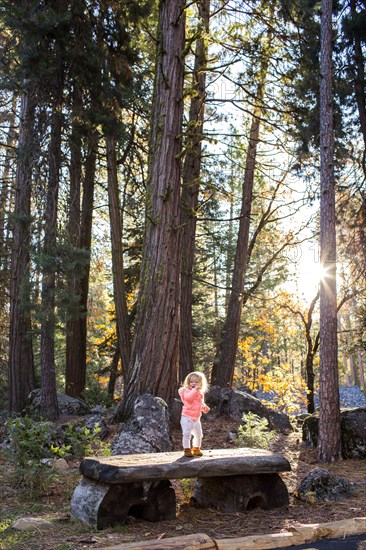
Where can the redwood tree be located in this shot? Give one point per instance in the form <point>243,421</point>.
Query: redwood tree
<point>155,353</point>
<point>21,367</point>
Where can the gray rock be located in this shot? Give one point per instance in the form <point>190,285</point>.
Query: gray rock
<point>147,431</point>
<point>353,432</point>
<point>353,428</point>
<point>68,406</point>
<point>320,484</point>
<point>94,421</point>
<point>235,403</point>
<point>175,412</point>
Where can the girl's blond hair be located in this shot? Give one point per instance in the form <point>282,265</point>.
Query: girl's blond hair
<point>201,376</point>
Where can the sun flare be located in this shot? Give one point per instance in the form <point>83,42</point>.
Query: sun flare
<point>310,275</point>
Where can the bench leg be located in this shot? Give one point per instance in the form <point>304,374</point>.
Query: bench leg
<point>102,505</point>
<point>241,493</point>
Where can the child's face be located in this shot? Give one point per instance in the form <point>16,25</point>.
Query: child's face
<point>195,382</point>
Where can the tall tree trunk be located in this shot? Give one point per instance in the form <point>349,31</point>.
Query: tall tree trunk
<point>312,348</point>
<point>49,402</point>
<point>73,326</point>
<point>224,364</point>
<point>120,300</point>
<point>353,373</point>
<point>6,198</point>
<point>113,374</point>
<point>6,186</point>
<point>361,369</point>
<point>190,189</point>
<point>76,372</point>
<point>359,64</point>
<point>329,441</point>
<point>155,354</point>
<point>229,255</point>
<point>21,368</point>
<point>85,244</point>
<point>361,220</point>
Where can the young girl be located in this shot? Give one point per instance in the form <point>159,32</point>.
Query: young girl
<point>192,394</point>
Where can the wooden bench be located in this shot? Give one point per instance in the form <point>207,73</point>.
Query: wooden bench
<point>231,480</point>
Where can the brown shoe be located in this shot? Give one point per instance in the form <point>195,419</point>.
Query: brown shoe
<point>188,452</point>
<point>197,451</point>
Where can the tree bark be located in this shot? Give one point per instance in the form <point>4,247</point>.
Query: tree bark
<point>73,326</point>
<point>74,354</point>
<point>359,64</point>
<point>155,354</point>
<point>21,368</point>
<point>113,374</point>
<point>329,441</point>
<point>6,199</point>
<point>361,369</point>
<point>6,186</point>
<point>312,348</point>
<point>119,290</point>
<point>49,403</point>
<point>76,371</point>
<point>190,189</point>
<point>85,244</point>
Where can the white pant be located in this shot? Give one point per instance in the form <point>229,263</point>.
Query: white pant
<point>191,427</point>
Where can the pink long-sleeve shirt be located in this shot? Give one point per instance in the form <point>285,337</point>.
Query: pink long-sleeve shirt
<point>193,402</point>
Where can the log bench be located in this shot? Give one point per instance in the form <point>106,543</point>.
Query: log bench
<point>231,480</point>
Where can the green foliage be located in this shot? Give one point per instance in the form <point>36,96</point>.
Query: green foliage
<point>187,486</point>
<point>83,441</point>
<point>254,432</point>
<point>34,444</point>
<point>28,453</point>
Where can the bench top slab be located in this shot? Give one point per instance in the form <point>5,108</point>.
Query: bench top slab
<point>159,466</point>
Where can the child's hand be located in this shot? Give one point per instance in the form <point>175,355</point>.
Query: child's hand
<point>205,408</point>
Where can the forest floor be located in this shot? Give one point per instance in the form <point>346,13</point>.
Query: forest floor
<point>66,533</point>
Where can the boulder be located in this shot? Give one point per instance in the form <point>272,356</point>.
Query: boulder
<point>68,406</point>
<point>175,411</point>
<point>320,484</point>
<point>235,403</point>
<point>147,431</point>
<point>353,433</point>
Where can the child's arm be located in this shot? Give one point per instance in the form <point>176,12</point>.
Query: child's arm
<point>187,395</point>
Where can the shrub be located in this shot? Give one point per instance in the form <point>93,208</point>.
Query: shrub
<point>33,445</point>
<point>254,432</point>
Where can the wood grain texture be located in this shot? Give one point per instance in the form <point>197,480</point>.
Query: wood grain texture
<point>214,463</point>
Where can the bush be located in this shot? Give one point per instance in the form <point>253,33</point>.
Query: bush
<point>34,444</point>
<point>254,432</point>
